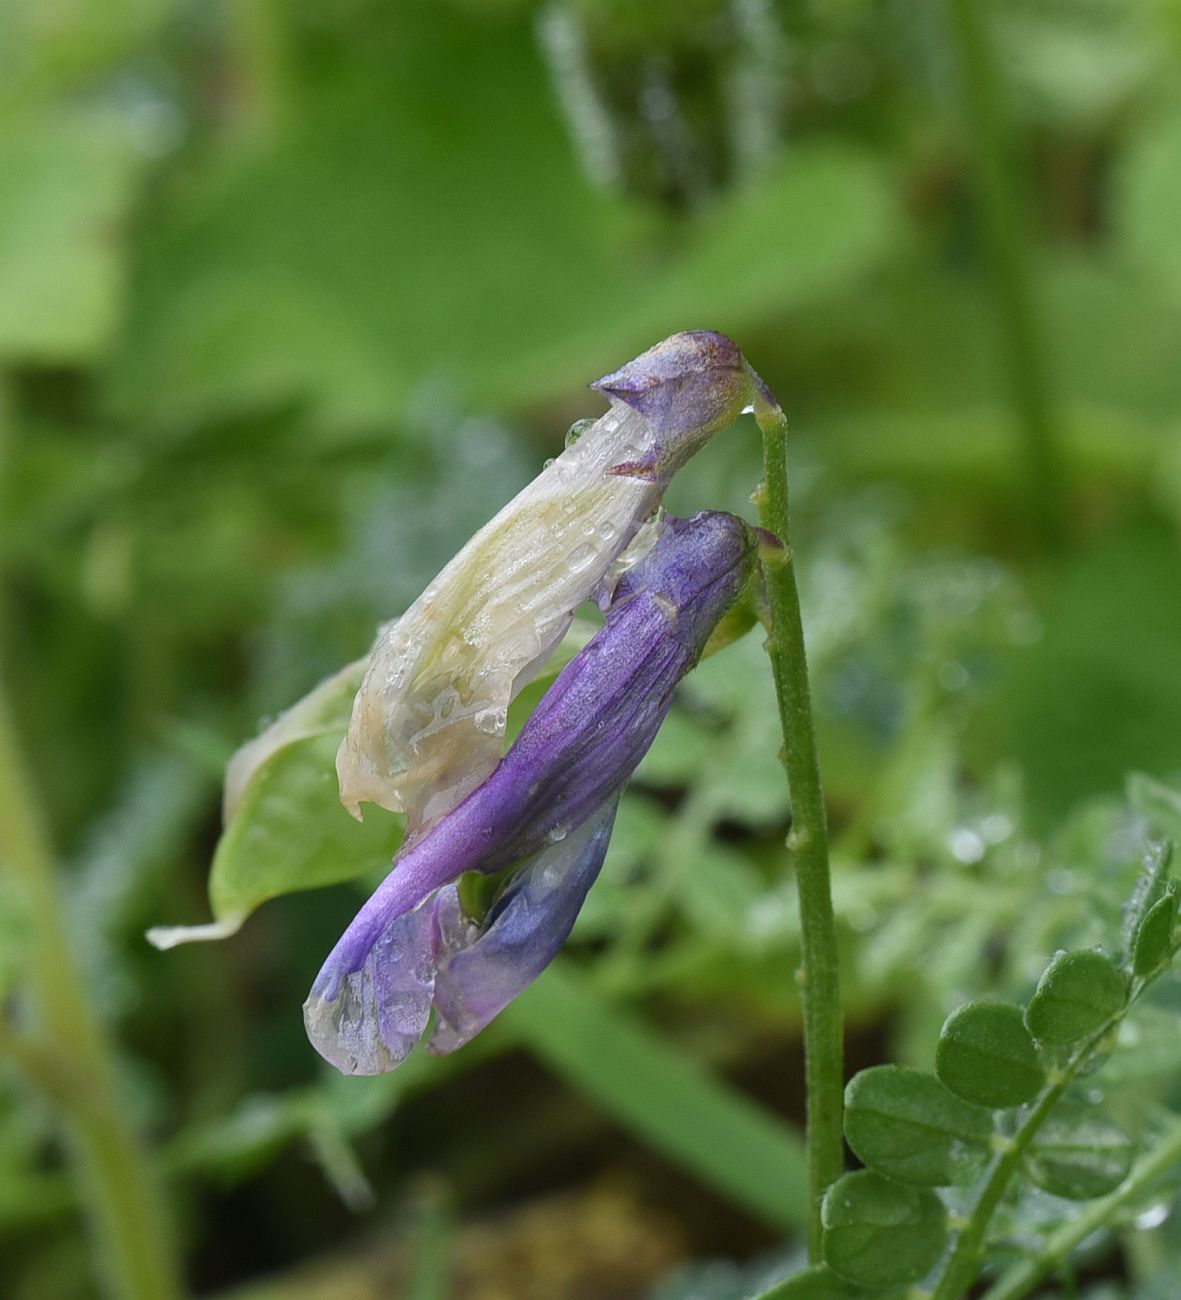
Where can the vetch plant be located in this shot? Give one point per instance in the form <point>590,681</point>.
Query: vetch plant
<point>1009,1113</point>
<point>543,818</point>
<point>489,739</point>
<point>498,851</point>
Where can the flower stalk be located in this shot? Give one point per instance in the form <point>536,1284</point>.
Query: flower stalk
<point>808,838</point>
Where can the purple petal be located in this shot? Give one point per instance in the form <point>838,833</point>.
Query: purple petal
<point>367,1019</point>
<point>371,999</point>
<point>486,968</point>
<point>689,386</point>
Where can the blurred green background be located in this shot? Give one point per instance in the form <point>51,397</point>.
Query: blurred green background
<point>294,296</point>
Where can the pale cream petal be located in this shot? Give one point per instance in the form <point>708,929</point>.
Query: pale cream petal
<point>428,722</point>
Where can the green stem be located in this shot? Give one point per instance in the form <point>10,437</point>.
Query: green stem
<point>1022,1278</point>
<point>1005,233</point>
<point>114,1179</point>
<point>808,840</point>
<point>964,1262</point>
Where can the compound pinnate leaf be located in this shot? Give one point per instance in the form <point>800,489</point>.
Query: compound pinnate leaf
<point>986,1056</point>
<point>907,1125</point>
<point>1079,1153</point>
<point>1153,945</point>
<point>881,1233</point>
<point>1076,995</point>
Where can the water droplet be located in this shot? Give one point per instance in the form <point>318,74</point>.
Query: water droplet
<point>558,834</point>
<point>576,430</point>
<point>581,557</point>
<point>966,846</point>
<point>491,721</point>
<point>1153,1217</point>
<point>607,530</point>
<point>996,827</point>
<point>546,464</point>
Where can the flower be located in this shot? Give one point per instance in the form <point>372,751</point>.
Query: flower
<point>428,721</point>
<point>544,814</point>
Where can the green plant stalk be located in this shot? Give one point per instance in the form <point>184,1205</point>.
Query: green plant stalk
<point>1023,1277</point>
<point>960,1271</point>
<point>114,1178</point>
<point>808,840</point>
<point>999,193</point>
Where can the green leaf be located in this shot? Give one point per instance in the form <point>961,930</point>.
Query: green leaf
<point>664,1096</point>
<point>907,1125</point>
<point>290,832</point>
<point>1158,804</point>
<point>881,1233</point>
<point>226,312</point>
<point>1153,946</point>
<point>1149,198</point>
<point>1111,616</point>
<point>719,890</point>
<point>986,1056</point>
<point>1150,887</point>
<point>66,182</point>
<point>1079,1152</point>
<point>17,930</point>
<point>1076,995</point>
<point>818,1283</point>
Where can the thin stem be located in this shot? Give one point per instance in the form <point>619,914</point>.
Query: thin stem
<point>114,1179</point>
<point>964,1262</point>
<point>808,840</point>
<point>1022,1278</point>
<point>1005,234</point>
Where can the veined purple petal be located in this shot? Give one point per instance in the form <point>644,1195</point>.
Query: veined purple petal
<point>571,759</point>
<point>482,969</point>
<point>689,387</point>
<point>366,1018</point>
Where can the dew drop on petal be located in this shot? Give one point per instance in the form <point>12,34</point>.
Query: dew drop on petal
<point>581,558</point>
<point>576,430</point>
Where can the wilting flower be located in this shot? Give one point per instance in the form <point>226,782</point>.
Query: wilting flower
<point>428,722</point>
<point>543,815</point>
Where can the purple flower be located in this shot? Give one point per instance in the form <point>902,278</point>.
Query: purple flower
<point>546,812</point>
<point>687,388</point>
<point>428,721</point>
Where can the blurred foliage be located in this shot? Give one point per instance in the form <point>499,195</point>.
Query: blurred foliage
<point>293,297</point>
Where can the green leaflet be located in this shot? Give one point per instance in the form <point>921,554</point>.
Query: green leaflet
<point>1079,1153</point>
<point>879,1233</point>
<point>1076,995</point>
<point>907,1125</point>
<point>986,1056</point>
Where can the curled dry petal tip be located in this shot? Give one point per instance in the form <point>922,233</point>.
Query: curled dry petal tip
<point>689,386</point>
